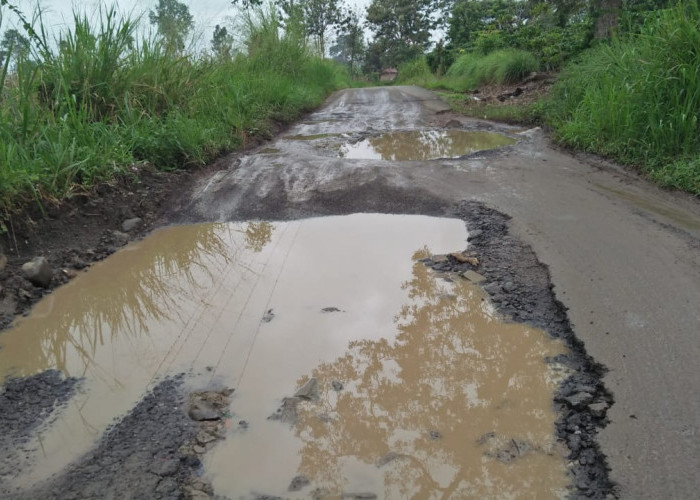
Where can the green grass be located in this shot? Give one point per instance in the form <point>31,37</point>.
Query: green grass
<point>637,99</point>
<point>104,101</point>
<point>514,114</point>
<point>472,70</point>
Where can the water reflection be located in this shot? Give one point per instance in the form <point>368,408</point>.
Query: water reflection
<point>428,412</point>
<point>150,283</point>
<point>423,145</point>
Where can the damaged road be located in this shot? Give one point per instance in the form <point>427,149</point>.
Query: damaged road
<point>577,248</point>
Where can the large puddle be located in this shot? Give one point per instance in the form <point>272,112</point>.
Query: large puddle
<point>422,391</point>
<point>423,145</point>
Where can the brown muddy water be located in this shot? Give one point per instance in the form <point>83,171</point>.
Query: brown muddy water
<point>422,390</point>
<point>423,145</point>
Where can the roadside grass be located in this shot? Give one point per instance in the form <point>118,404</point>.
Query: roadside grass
<point>637,100</point>
<point>472,70</point>
<point>531,113</point>
<point>103,101</point>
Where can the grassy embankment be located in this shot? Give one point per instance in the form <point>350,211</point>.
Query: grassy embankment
<point>102,102</point>
<point>635,99</point>
<point>471,71</point>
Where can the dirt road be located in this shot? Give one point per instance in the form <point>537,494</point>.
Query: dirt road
<point>624,256</point>
<point>250,305</point>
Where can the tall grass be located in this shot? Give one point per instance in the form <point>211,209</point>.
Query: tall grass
<point>103,100</point>
<point>638,99</point>
<point>503,67</point>
<point>472,70</point>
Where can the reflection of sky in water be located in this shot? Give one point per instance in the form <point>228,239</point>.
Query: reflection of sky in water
<point>423,145</point>
<point>454,370</point>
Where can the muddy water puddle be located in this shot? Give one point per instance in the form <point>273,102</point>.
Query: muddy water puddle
<point>423,145</point>
<point>417,388</point>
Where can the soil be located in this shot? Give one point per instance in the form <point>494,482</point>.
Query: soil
<point>25,405</point>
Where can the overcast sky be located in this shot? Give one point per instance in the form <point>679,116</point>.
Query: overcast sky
<point>206,13</point>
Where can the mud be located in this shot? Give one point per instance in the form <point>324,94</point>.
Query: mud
<point>27,405</point>
<point>138,458</point>
<point>420,145</point>
<point>518,284</point>
<point>520,287</point>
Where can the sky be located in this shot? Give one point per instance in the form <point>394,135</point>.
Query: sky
<point>206,13</point>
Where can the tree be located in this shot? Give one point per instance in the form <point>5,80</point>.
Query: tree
<point>401,28</point>
<point>14,45</point>
<point>221,42</point>
<point>350,42</point>
<point>319,17</point>
<point>174,22</point>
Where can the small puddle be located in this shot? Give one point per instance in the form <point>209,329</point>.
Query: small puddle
<point>422,389</point>
<point>269,151</point>
<point>312,137</point>
<point>423,145</point>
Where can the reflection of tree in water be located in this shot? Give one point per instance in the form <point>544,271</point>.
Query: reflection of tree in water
<point>257,235</point>
<point>129,292</point>
<point>454,370</point>
<point>427,144</point>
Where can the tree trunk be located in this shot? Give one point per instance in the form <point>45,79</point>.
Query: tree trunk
<point>606,22</point>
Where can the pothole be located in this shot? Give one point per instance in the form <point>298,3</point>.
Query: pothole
<point>393,381</point>
<point>423,145</point>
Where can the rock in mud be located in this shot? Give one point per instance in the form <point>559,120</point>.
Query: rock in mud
<point>268,316</point>
<point>337,386</point>
<point>474,277</point>
<point>120,238</point>
<point>389,457</point>
<point>298,483</point>
<point>287,412</point>
<point>330,310</point>
<point>38,271</point>
<point>204,437</point>
<point>202,410</point>
<point>474,234</point>
<point>308,391</point>
<point>453,124</point>
<point>131,224</point>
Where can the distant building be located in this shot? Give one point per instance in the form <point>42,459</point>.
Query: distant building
<point>389,75</point>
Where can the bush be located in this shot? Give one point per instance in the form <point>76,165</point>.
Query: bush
<point>638,98</point>
<point>499,67</point>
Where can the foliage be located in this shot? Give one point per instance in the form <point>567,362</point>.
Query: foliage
<point>553,32</point>
<point>14,45</point>
<point>101,101</point>
<point>349,46</point>
<point>401,31</point>
<point>174,22</point>
<point>638,98</point>
<point>499,67</point>
<point>319,17</point>
<point>221,42</point>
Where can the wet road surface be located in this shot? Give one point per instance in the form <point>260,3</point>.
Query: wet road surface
<point>624,256</point>
<point>218,301</point>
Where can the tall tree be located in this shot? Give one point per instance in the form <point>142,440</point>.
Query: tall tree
<point>350,41</point>
<point>174,22</point>
<point>401,28</point>
<point>319,17</point>
<point>221,42</point>
<point>13,45</point>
